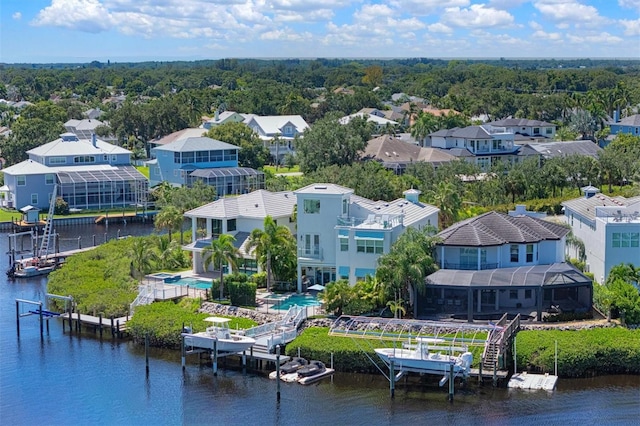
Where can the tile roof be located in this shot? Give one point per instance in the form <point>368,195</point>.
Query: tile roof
<point>521,122</point>
<point>257,205</point>
<point>493,228</point>
<point>564,148</point>
<point>389,149</point>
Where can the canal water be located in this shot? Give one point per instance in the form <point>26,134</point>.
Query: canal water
<point>66,379</point>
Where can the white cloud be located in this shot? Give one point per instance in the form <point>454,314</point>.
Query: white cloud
<point>541,35</point>
<point>570,11</point>
<point>601,38</point>
<point>630,4</point>
<point>439,28</point>
<point>17,16</point>
<point>476,16</point>
<point>84,15</point>
<point>631,28</point>
<point>284,35</point>
<point>535,25</point>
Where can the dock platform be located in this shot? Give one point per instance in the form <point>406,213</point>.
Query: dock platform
<point>533,381</point>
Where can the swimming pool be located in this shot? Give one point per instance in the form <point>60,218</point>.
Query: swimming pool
<point>193,283</point>
<point>296,299</point>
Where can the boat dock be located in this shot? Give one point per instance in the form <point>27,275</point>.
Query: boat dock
<point>533,381</point>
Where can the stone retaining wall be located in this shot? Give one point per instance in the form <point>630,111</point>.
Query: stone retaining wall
<point>234,311</point>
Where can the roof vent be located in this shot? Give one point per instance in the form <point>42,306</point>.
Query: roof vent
<point>320,187</point>
<point>256,204</point>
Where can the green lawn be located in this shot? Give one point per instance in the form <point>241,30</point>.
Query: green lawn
<point>282,169</point>
<point>144,170</point>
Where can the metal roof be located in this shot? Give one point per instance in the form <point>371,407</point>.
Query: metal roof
<point>257,204</point>
<point>114,174</point>
<point>60,147</point>
<point>555,274</point>
<point>225,171</point>
<point>192,143</point>
<point>586,207</point>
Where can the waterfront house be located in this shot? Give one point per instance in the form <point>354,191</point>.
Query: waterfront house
<point>496,263</point>
<point>90,173</point>
<point>238,216</point>
<point>341,235</point>
<point>380,123</point>
<point>223,117</point>
<point>188,158</point>
<point>84,128</point>
<point>609,227</point>
<point>481,145</point>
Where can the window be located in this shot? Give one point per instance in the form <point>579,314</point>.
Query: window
<point>114,158</point>
<point>49,179</point>
<point>527,294</point>
<point>230,154</point>
<point>176,157</point>
<point>312,244</point>
<point>83,159</point>
<point>344,243</point>
<point>625,239</point>
<point>188,157</point>
<point>513,294</point>
<point>58,160</point>
<point>231,225</point>
<point>21,180</point>
<point>312,206</point>
<point>549,130</point>
<point>536,130</point>
<point>370,246</point>
<point>529,253</point>
<point>468,258</point>
<point>202,156</point>
<point>345,207</point>
<point>105,158</point>
<point>34,199</point>
<point>514,253</point>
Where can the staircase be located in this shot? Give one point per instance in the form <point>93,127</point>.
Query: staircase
<point>146,296</point>
<point>490,356</point>
<point>46,237</point>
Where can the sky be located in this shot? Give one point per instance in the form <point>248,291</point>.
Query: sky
<point>44,31</point>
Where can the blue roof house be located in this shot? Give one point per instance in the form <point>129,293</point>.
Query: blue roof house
<point>188,159</point>
<point>89,173</point>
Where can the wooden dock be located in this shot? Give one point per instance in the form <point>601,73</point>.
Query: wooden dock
<point>116,326</point>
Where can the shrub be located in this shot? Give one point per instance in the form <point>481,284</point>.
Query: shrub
<point>242,293</point>
<point>61,207</point>
<point>568,316</point>
<point>260,279</point>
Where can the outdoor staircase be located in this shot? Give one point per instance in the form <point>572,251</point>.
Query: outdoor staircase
<point>146,296</point>
<point>490,356</point>
<point>48,227</point>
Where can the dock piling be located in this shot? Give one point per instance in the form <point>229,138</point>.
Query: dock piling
<point>215,357</point>
<point>100,324</point>
<point>18,317</point>
<point>146,352</point>
<point>392,378</point>
<point>278,373</point>
<point>451,382</point>
<point>183,354</point>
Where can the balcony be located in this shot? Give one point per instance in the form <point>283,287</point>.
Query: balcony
<point>470,266</point>
<point>314,252</point>
<point>373,221</point>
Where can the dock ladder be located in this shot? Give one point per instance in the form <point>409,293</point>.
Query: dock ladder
<point>46,236</point>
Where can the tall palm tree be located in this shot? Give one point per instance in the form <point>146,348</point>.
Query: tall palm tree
<point>221,251</point>
<point>424,125</point>
<point>268,242</point>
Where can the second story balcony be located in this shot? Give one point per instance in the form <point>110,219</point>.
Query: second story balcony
<point>372,221</point>
<point>311,252</point>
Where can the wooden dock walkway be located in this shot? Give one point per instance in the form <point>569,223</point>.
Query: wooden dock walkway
<point>117,326</point>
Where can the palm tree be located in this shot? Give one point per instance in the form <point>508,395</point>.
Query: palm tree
<point>221,251</point>
<point>166,253</point>
<point>424,125</point>
<point>268,242</point>
<point>170,219</point>
<point>396,306</point>
<point>446,197</point>
<point>336,296</point>
<point>141,256</point>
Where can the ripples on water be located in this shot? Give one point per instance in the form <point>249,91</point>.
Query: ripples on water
<point>66,379</point>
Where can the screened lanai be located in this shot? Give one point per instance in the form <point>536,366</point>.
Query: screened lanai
<point>229,180</point>
<point>103,188</point>
<point>532,289</point>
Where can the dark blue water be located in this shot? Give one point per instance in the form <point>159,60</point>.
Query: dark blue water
<point>66,379</point>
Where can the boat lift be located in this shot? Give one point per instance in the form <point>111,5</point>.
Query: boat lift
<point>450,338</point>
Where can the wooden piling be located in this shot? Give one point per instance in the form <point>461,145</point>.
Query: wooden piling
<point>18,317</point>
<point>451,382</point>
<point>215,357</point>
<point>392,378</point>
<point>146,351</point>
<point>100,322</point>
<point>183,352</point>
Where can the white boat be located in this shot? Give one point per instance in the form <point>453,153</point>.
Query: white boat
<point>29,268</point>
<point>428,357</point>
<point>218,336</point>
<point>304,374</point>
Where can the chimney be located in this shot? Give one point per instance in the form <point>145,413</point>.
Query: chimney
<point>94,140</point>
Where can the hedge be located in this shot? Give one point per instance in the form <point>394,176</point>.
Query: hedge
<point>163,321</point>
<point>581,353</point>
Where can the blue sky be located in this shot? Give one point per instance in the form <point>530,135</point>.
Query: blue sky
<point>139,30</point>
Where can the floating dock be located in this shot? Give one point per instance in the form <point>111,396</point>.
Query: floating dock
<point>533,381</point>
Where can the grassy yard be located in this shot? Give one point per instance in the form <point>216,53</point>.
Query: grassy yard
<point>282,169</point>
<point>144,170</point>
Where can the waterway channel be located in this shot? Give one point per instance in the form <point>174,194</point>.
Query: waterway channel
<point>69,379</point>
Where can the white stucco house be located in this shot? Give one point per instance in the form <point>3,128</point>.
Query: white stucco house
<point>341,235</point>
<point>238,216</point>
<point>609,227</point>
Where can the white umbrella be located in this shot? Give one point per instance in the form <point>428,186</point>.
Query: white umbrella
<point>316,287</point>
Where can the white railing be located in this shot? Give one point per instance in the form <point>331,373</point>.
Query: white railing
<point>280,332</point>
